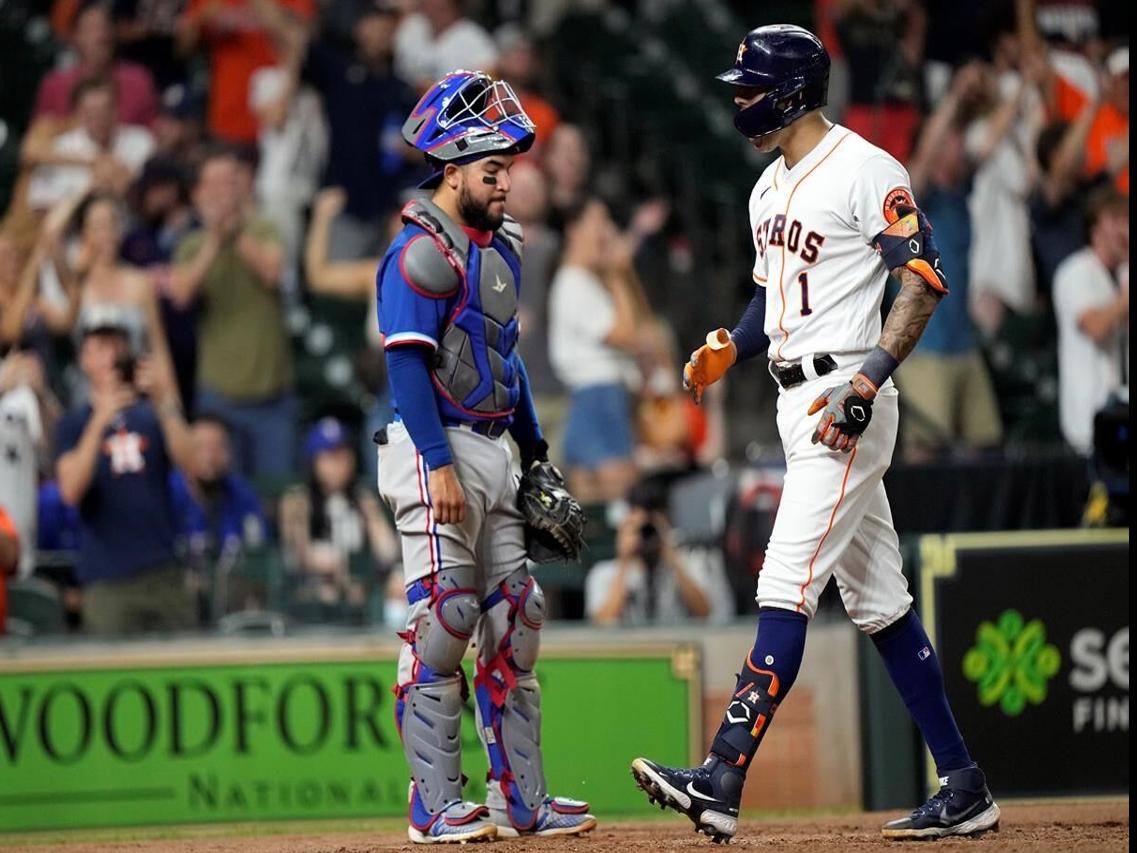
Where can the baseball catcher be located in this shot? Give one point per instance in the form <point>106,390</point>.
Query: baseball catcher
<point>448,294</point>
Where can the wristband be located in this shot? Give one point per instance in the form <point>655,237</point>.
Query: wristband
<point>878,367</point>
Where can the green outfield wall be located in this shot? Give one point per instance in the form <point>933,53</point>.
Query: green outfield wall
<point>172,737</point>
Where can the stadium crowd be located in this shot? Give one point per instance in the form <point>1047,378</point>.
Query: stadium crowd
<point>203,189</point>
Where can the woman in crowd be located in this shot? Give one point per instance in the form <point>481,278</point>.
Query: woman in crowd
<point>331,523</point>
<point>598,324</point>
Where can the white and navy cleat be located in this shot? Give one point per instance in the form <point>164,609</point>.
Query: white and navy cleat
<point>708,794</point>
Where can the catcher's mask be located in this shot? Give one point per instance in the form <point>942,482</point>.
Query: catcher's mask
<point>465,116</point>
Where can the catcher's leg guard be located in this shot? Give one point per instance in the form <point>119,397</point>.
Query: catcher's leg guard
<point>428,711</point>
<point>509,697</point>
<point>509,716</point>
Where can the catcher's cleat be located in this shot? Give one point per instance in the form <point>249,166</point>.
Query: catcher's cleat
<point>457,823</point>
<point>555,816</point>
<point>962,806</point>
<point>708,794</point>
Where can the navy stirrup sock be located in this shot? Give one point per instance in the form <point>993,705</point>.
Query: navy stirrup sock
<point>768,673</point>
<point>915,670</point>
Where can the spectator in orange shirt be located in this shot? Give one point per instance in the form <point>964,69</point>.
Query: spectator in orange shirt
<point>237,42</point>
<point>9,559</point>
<point>92,40</point>
<point>1107,146</point>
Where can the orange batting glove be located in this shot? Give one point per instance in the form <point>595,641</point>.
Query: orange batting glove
<point>709,362</point>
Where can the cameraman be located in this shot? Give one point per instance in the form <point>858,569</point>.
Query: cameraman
<point>652,580</point>
<point>114,462</point>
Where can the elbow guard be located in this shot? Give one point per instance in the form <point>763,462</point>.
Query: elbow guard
<point>908,242</point>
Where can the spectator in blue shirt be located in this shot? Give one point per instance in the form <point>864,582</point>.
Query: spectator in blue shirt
<point>948,393</point>
<point>115,456</point>
<point>214,507</point>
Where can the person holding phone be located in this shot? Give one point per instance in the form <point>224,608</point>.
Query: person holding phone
<point>114,459</point>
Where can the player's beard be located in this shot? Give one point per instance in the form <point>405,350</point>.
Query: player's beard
<point>477,214</point>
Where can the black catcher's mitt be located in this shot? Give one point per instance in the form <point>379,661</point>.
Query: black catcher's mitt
<point>554,521</point>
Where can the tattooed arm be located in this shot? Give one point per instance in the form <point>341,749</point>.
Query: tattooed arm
<point>909,315</point>
<point>846,410</point>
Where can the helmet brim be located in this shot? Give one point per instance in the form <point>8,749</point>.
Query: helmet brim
<point>744,77</point>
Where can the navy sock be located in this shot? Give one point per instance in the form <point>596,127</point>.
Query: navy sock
<point>768,673</point>
<point>915,670</point>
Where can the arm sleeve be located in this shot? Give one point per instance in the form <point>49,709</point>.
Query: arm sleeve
<point>526,428</point>
<point>749,335</point>
<point>414,396</point>
<point>880,185</point>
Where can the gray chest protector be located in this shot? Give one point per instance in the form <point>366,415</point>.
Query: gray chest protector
<point>474,372</point>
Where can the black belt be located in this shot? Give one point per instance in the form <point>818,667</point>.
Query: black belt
<point>490,429</point>
<point>789,375</point>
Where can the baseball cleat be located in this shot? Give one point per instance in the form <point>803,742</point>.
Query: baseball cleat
<point>962,806</point>
<point>458,823</point>
<point>555,816</point>
<point>708,794</point>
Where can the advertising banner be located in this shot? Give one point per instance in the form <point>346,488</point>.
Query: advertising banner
<point>185,742</point>
<point>1032,630</point>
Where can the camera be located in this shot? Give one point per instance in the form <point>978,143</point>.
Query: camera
<point>125,364</point>
<point>650,495</point>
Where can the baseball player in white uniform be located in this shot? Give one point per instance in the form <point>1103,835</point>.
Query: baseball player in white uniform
<point>830,218</point>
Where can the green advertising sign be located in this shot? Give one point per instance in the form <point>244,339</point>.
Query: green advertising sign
<point>278,739</point>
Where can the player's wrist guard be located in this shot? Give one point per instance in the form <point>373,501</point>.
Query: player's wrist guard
<point>874,372</point>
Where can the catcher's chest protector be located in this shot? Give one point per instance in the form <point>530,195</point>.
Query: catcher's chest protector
<point>474,370</point>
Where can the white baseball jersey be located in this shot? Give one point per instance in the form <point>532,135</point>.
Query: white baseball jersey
<point>813,228</point>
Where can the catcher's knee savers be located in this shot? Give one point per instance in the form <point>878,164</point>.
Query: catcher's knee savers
<point>444,613</point>
<point>509,698</point>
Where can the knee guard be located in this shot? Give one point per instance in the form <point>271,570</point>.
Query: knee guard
<point>428,711</point>
<point>509,698</point>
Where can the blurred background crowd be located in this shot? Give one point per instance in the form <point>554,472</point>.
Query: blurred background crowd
<point>195,194</point>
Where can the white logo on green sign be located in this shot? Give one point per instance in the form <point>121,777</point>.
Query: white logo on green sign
<point>1011,663</point>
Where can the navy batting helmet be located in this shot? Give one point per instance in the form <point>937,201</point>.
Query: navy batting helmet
<point>791,65</point>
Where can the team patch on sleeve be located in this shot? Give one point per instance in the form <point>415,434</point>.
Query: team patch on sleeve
<point>897,197</point>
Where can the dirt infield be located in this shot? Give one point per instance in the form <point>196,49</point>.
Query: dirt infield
<point>1068,826</point>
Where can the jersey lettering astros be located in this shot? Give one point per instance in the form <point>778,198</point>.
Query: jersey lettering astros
<point>813,228</point>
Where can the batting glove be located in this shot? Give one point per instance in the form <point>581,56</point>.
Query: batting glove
<point>846,411</point>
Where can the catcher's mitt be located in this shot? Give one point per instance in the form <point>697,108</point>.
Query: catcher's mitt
<point>554,521</point>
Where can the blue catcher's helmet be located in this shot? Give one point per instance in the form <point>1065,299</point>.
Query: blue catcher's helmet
<point>791,65</point>
<point>466,116</point>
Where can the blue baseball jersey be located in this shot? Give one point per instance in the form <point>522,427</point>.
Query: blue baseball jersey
<point>412,316</point>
